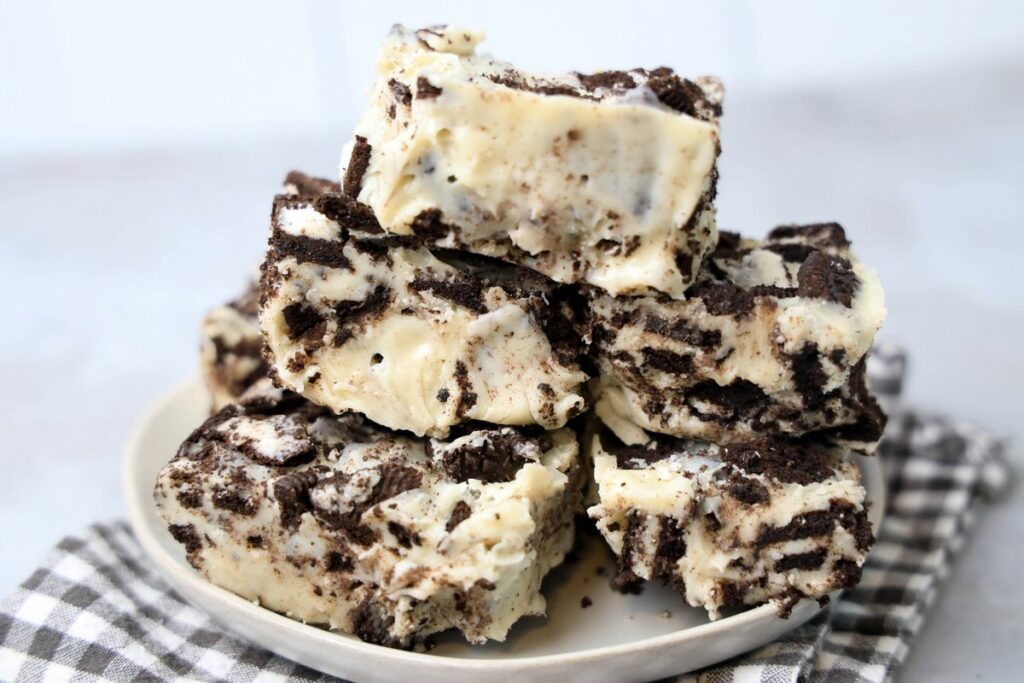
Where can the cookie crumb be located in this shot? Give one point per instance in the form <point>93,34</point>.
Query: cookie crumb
<point>586,602</point>
<point>665,614</point>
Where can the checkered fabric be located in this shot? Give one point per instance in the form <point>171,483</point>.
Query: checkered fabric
<point>97,611</point>
<point>936,471</point>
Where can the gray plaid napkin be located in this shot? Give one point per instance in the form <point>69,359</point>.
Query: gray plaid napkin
<point>936,471</point>
<point>96,611</point>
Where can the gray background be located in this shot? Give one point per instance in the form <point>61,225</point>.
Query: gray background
<point>113,243</point>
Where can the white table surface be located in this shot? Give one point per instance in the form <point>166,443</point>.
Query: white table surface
<point>110,262</point>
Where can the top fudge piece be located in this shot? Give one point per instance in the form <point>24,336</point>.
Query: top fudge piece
<point>414,338</point>
<point>772,339</point>
<point>605,178</point>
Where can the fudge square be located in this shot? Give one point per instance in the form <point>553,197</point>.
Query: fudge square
<point>414,338</point>
<point>773,338</point>
<point>333,520</point>
<point>606,178</point>
<point>231,353</point>
<point>770,519</point>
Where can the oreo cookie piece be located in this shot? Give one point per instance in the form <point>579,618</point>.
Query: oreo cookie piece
<point>569,175</point>
<point>336,521</point>
<point>772,339</point>
<point>772,519</point>
<point>415,338</point>
<point>303,185</point>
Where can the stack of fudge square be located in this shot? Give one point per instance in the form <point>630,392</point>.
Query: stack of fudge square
<point>515,308</point>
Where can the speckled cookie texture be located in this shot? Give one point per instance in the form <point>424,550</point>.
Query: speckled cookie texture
<point>772,338</point>
<point>336,521</point>
<point>415,338</point>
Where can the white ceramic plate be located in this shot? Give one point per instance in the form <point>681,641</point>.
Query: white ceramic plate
<point>618,638</point>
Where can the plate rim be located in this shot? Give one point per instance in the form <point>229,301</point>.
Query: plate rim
<point>174,573</point>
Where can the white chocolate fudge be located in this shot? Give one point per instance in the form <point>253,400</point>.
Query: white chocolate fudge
<point>335,521</point>
<point>415,339</point>
<point>729,526</point>
<point>230,357</point>
<point>605,178</point>
<point>771,339</point>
